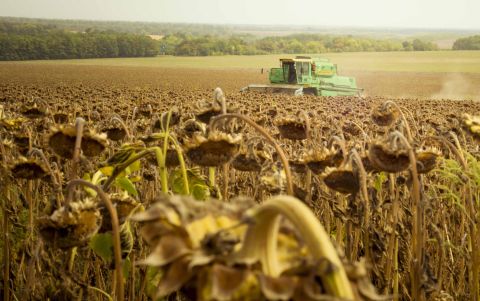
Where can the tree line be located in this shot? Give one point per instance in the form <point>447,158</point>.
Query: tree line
<point>468,43</point>
<point>37,40</point>
<point>188,45</point>
<point>19,41</point>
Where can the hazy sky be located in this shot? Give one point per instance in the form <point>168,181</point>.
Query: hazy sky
<point>462,14</point>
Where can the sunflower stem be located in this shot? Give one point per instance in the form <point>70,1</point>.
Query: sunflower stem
<point>79,124</point>
<point>364,193</point>
<point>220,97</point>
<point>418,224</point>
<point>115,230</point>
<point>163,158</point>
<point>124,126</point>
<point>211,176</point>
<point>260,242</point>
<point>5,227</point>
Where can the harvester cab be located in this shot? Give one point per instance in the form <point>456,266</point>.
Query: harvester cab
<point>306,75</point>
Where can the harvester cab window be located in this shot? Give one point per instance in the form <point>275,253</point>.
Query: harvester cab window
<point>289,72</point>
<point>304,68</point>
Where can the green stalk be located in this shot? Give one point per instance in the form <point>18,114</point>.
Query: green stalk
<point>181,160</point>
<point>163,169</point>
<point>161,162</point>
<point>71,261</point>
<point>183,166</point>
<point>211,176</point>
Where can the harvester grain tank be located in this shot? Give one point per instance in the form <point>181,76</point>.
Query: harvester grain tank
<point>306,75</point>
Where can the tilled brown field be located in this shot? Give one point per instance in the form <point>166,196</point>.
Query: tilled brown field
<point>395,183</point>
<point>425,85</point>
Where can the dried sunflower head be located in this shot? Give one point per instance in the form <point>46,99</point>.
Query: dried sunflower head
<point>174,119</point>
<point>28,169</point>
<point>291,128</point>
<point>186,235</point>
<point>472,124</point>
<point>60,117</point>
<point>71,226</point>
<point>385,115</point>
<point>219,148</point>
<point>244,162</point>
<point>342,179</point>
<point>298,166</point>
<point>318,160</point>
<point>274,179</point>
<point>389,155</point>
<point>192,127</point>
<point>62,141</point>
<point>114,133</point>
<point>427,159</point>
<point>367,164</point>
<point>22,142</point>
<point>145,109</point>
<point>250,159</point>
<point>33,111</point>
<point>206,114</point>
<point>124,205</point>
<point>12,123</point>
<point>93,143</point>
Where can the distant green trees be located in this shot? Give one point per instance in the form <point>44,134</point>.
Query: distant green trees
<point>19,41</point>
<point>187,45</point>
<point>468,43</point>
<point>40,40</point>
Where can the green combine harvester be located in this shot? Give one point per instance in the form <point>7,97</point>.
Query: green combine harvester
<point>306,75</point>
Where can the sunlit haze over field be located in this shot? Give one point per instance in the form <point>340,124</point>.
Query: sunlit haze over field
<point>429,14</point>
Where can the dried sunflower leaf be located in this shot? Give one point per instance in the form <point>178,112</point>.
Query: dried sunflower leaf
<point>168,249</point>
<point>174,278</point>
<point>281,288</point>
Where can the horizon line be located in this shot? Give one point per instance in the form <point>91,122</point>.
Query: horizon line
<point>384,27</point>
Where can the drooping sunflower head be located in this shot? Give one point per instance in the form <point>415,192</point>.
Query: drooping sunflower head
<point>389,155</point>
<point>385,115</point>
<point>319,159</point>
<point>28,169</point>
<point>216,149</point>
<point>292,128</point>
<point>427,159</point>
<point>33,111</point>
<point>471,123</point>
<point>71,226</point>
<point>342,179</point>
<point>62,141</point>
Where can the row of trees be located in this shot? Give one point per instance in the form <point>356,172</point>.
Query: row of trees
<point>468,43</point>
<point>182,45</point>
<point>144,28</point>
<point>32,42</point>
